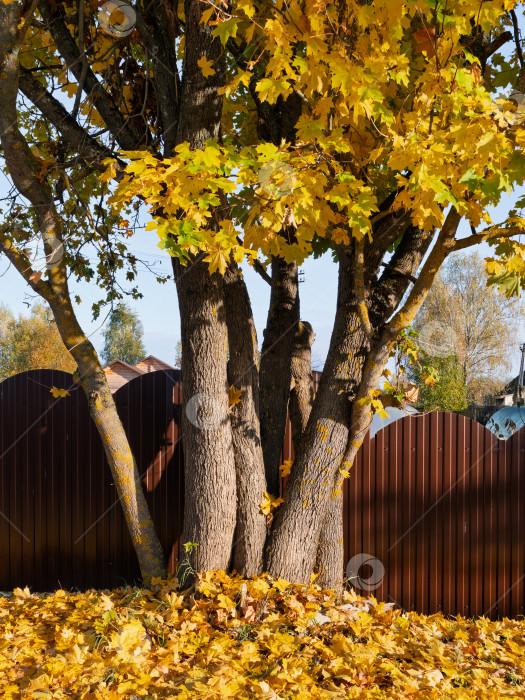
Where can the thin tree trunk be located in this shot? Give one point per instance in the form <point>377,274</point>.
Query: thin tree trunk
<point>120,458</point>
<point>55,291</point>
<point>243,373</point>
<point>276,365</point>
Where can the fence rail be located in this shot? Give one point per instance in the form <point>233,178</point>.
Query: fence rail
<point>434,509</point>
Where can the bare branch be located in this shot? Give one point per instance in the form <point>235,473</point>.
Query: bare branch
<point>119,126</point>
<point>87,147</point>
<point>517,38</point>
<point>259,268</point>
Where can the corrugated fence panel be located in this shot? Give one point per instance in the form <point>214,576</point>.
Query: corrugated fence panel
<point>440,506</point>
<point>434,506</point>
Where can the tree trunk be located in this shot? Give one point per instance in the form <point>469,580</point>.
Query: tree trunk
<point>209,463</point>
<point>209,467</point>
<point>276,365</point>
<point>116,446</point>
<point>302,392</point>
<point>329,564</point>
<point>22,168</point>
<point>292,549</point>
<point>329,558</point>
<point>243,373</point>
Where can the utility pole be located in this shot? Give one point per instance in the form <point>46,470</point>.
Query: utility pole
<point>519,391</point>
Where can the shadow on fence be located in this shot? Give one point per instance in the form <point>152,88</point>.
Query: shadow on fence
<point>436,499</point>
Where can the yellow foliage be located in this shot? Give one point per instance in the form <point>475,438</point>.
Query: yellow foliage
<point>248,639</point>
<point>399,97</point>
<point>206,67</point>
<point>59,393</point>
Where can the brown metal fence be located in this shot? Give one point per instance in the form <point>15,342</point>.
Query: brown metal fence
<point>433,510</point>
<point>60,521</point>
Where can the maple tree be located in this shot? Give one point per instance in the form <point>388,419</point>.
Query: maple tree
<point>265,133</point>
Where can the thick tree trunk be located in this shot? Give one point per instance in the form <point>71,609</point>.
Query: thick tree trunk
<point>276,365</point>
<point>302,392</point>
<point>329,558</point>
<point>243,373</point>
<point>209,467</point>
<point>292,549</point>
<point>209,464</point>
<point>329,564</point>
<point>54,290</point>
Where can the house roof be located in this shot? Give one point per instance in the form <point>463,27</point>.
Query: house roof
<point>152,358</point>
<point>121,363</point>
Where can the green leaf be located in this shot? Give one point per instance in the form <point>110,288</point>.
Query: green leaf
<point>226,29</point>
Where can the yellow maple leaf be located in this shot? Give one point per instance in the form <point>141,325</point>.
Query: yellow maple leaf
<point>269,503</point>
<point>285,467</point>
<point>131,637</point>
<point>59,392</point>
<point>234,396</point>
<point>217,261</point>
<point>206,67</point>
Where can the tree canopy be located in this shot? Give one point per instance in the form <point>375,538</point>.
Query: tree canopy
<point>123,336</point>
<point>31,342</point>
<point>468,333</point>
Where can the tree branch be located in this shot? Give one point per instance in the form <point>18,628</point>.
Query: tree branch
<point>23,265</point>
<point>443,247</point>
<point>167,81</point>
<point>259,268</point>
<point>119,126</point>
<point>87,147</point>
<point>399,274</point>
<point>476,238</point>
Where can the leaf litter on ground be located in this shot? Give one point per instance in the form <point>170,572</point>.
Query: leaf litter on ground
<point>255,638</point>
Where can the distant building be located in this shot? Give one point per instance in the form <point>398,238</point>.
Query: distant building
<point>508,397</point>
<point>119,372</point>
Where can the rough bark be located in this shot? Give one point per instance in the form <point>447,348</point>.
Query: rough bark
<point>338,421</point>
<point>293,543</point>
<point>209,464</point>
<point>276,365</point>
<point>22,168</point>
<point>243,373</point>
<point>209,467</point>
<point>383,298</point>
<point>329,558</point>
<point>329,563</point>
<point>302,391</point>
